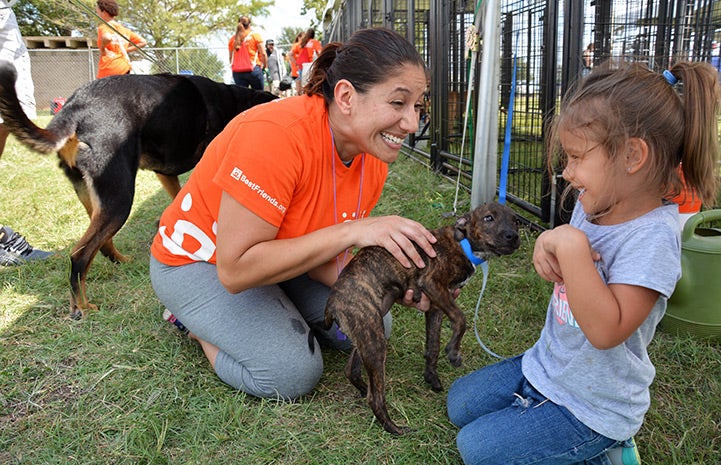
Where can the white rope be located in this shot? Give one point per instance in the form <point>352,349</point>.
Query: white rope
<point>484,268</point>
<point>472,45</point>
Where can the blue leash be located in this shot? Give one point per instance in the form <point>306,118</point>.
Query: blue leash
<point>505,159</point>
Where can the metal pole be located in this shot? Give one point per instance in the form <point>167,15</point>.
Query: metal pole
<point>483,188</point>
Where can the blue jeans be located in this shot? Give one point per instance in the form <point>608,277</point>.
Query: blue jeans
<point>252,79</point>
<point>504,420</point>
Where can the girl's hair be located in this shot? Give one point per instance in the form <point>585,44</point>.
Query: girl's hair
<point>241,31</point>
<point>621,100</point>
<point>309,34</point>
<point>369,57</point>
<point>109,6</point>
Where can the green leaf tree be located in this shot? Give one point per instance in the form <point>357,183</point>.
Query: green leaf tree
<point>317,6</point>
<point>49,18</point>
<point>163,23</point>
<point>288,34</point>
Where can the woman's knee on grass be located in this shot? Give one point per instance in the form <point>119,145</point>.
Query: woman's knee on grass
<point>287,379</point>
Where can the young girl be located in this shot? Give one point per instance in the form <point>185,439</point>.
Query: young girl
<point>581,392</point>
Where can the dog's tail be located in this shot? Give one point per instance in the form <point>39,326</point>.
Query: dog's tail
<point>319,328</point>
<point>311,341</point>
<point>17,122</point>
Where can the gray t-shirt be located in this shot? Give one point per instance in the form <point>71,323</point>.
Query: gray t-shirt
<point>608,390</point>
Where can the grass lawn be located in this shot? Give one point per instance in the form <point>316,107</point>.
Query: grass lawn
<point>123,387</point>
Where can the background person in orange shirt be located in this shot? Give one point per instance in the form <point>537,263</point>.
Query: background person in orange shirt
<point>245,254</point>
<point>293,57</point>
<point>310,48</point>
<point>247,56</point>
<point>115,41</point>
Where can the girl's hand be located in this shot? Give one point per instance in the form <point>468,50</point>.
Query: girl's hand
<point>425,304</point>
<point>397,235</point>
<point>548,245</point>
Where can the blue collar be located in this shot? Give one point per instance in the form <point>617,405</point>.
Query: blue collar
<point>469,253</point>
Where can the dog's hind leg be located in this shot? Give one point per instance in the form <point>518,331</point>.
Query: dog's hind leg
<point>108,201</point>
<point>353,372</point>
<point>107,248</point>
<point>98,235</point>
<point>374,363</point>
<point>171,184</point>
<point>373,349</point>
<point>434,318</point>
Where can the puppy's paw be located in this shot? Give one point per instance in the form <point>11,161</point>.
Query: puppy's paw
<point>433,380</point>
<point>455,357</point>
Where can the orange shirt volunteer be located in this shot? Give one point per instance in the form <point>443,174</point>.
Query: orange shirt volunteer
<point>114,58</point>
<point>285,179</point>
<point>294,67</point>
<point>254,41</point>
<point>305,55</point>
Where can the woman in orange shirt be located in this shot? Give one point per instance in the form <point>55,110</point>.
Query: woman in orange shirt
<point>294,52</point>
<point>245,254</point>
<point>310,48</point>
<point>247,56</point>
<point>115,41</point>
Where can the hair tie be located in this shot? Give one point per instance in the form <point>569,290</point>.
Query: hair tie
<point>670,78</point>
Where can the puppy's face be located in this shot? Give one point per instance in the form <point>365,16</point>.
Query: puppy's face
<point>491,230</point>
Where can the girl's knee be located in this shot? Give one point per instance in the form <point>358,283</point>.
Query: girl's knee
<point>475,448</point>
<point>465,445</point>
<point>457,404</point>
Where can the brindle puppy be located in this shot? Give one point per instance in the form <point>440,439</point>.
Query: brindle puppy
<point>374,280</point>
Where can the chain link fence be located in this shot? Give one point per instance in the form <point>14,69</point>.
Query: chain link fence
<point>58,72</point>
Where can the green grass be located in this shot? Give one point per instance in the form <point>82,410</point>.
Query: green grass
<point>121,386</point>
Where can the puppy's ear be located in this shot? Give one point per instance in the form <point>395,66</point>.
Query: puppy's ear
<point>461,224</point>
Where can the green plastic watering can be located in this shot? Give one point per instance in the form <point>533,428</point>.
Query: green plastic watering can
<point>695,306</point>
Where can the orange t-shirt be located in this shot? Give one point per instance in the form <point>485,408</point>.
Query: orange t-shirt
<point>114,58</point>
<point>254,42</point>
<point>305,55</point>
<point>277,160</point>
<point>295,51</point>
<point>688,201</point>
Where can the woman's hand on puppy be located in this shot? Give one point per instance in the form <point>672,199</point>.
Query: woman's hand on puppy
<point>398,236</point>
<point>425,303</point>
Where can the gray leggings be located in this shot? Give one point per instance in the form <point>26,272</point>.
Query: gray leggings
<point>262,333</point>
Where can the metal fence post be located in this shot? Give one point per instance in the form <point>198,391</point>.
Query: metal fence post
<point>485,158</point>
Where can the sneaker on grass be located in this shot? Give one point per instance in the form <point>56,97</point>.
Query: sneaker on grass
<point>170,318</point>
<point>15,250</point>
<point>625,455</point>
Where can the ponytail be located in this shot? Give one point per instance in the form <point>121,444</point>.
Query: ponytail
<point>674,112</point>
<point>241,31</point>
<point>700,149</point>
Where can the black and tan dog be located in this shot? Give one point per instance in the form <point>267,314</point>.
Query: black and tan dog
<point>111,127</point>
<point>374,280</point>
